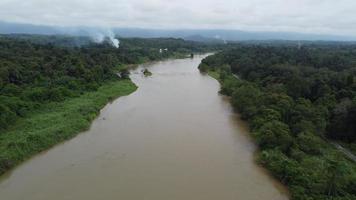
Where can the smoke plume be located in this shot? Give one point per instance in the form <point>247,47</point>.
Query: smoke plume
<point>100,36</point>
<point>115,42</point>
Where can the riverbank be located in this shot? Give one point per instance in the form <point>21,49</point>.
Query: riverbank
<point>56,122</point>
<point>151,145</point>
<point>216,74</point>
<point>306,176</point>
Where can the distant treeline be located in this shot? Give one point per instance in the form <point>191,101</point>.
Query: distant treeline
<point>293,99</point>
<point>38,69</point>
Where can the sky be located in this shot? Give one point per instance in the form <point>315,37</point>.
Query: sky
<point>305,16</point>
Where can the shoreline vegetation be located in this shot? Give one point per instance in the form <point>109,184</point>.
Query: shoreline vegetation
<point>57,122</point>
<point>291,145</point>
<point>52,89</point>
<point>273,164</point>
<point>146,72</point>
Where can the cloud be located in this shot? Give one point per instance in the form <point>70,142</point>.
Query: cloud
<point>312,16</point>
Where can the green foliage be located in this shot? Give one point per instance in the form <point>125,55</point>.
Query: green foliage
<point>245,99</point>
<point>44,69</point>
<point>55,122</point>
<point>309,143</point>
<point>336,177</point>
<point>274,134</point>
<point>124,73</point>
<point>147,73</point>
<point>6,116</point>
<point>292,99</point>
<point>203,67</point>
<point>52,87</point>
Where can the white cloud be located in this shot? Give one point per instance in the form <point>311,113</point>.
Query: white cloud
<point>316,16</point>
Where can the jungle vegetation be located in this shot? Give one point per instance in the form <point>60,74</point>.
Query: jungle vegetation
<point>52,87</point>
<point>296,100</point>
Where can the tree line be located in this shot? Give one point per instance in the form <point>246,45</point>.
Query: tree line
<point>294,99</point>
<point>38,69</point>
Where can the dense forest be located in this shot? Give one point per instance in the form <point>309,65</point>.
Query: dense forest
<point>32,73</point>
<point>296,100</point>
<point>45,80</point>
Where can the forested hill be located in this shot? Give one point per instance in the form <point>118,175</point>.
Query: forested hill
<point>294,98</point>
<point>38,69</point>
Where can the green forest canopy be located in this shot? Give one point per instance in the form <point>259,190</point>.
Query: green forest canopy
<point>293,98</point>
<point>38,69</point>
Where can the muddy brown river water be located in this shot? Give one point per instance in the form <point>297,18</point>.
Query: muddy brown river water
<point>175,138</point>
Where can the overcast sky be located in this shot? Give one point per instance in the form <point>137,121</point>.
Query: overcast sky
<point>312,16</point>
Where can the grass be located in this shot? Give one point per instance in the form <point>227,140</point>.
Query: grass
<point>56,122</point>
<point>214,74</point>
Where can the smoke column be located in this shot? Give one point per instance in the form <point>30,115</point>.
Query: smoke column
<point>100,35</point>
<point>115,42</point>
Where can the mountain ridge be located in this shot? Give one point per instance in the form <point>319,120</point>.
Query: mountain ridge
<point>211,35</point>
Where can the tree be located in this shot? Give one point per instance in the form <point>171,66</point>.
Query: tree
<point>124,73</point>
<point>245,99</point>
<point>336,173</point>
<point>274,134</point>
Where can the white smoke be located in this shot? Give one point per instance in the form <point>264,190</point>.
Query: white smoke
<point>218,37</point>
<point>115,42</point>
<point>99,36</point>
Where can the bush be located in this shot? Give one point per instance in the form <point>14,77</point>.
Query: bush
<point>245,99</point>
<point>274,134</point>
<point>6,116</point>
<point>309,143</point>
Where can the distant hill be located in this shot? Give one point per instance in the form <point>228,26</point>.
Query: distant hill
<point>199,38</point>
<point>7,28</point>
<point>201,35</point>
<point>228,35</point>
<point>58,40</point>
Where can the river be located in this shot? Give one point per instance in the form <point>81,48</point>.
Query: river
<point>175,138</point>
